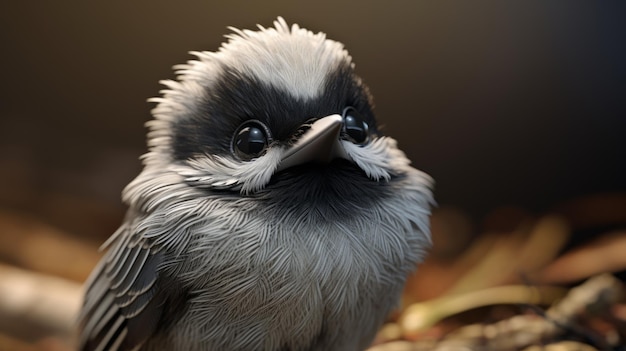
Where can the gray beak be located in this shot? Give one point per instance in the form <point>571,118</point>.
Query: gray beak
<point>319,144</point>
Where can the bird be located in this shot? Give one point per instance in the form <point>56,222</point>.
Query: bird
<point>271,213</point>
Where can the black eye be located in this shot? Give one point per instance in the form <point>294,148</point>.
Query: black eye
<point>250,140</point>
<point>354,126</point>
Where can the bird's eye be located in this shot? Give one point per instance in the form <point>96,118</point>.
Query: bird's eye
<point>354,126</point>
<point>250,140</point>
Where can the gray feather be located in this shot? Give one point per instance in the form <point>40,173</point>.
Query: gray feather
<point>217,253</point>
<point>119,292</point>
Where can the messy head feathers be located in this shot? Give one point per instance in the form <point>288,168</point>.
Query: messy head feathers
<point>285,58</point>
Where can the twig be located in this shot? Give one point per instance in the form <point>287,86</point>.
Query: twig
<point>33,306</point>
<point>595,296</point>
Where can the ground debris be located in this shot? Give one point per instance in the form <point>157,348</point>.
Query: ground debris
<point>567,325</point>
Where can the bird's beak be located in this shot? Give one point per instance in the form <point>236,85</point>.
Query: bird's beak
<point>319,144</point>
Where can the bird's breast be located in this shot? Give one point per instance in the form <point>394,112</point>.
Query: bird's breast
<point>305,263</point>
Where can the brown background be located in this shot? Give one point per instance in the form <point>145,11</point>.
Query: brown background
<point>517,103</point>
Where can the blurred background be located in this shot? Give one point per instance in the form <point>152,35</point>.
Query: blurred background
<point>517,109</point>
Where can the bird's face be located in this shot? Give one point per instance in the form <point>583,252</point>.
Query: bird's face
<point>270,105</point>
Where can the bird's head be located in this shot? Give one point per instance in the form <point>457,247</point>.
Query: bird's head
<point>268,102</point>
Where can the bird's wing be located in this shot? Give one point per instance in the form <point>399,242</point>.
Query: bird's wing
<point>124,298</point>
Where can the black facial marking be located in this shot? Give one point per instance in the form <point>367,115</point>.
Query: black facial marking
<point>208,128</point>
<point>308,190</point>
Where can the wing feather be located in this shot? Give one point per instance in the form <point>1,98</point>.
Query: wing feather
<point>106,319</point>
<point>107,339</point>
<point>124,299</point>
<point>119,340</point>
<point>127,278</point>
<point>119,270</point>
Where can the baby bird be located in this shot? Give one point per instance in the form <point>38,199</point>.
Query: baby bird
<point>271,212</point>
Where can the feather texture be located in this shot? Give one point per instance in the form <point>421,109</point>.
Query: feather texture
<point>121,289</point>
<point>218,253</point>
